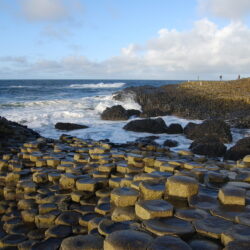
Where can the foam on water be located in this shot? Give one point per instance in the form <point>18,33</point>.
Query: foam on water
<point>100,85</point>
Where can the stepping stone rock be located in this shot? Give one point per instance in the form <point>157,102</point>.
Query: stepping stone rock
<point>204,245</point>
<point>86,184</point>
<point>68,218</point>
<point>169,226</point>
<point>58,231</point>
<point>236,232</point>
<point>11,240</point>
<point>127,239</point>
<point>203,201</point>
<point>168,242</point>
<point>191,214</point>
<point>82,242</point>
<point>26,245</point>
<point>182,186</point>
<point>107,227</point>
<point>124,197</point>
<point>151,190</point>
<point>212,227</point>
<point>123,214</point>
<point>150,209</point>
<point>229,195</point>
<point>238,245</point>
<point>49,244</point>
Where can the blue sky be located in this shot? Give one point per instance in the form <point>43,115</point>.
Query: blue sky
<point>142,39</point>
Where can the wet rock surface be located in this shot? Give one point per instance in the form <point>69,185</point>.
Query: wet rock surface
<point>69,126</point>
<point>118,113</point>
<point>83,194</point>
<point>156,126</point>
<point>209,128</point>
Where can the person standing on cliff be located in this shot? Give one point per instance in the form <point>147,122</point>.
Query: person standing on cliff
<point>238,77</point>
<point>220,77</point>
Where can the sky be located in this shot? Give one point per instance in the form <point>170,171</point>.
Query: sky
<point>124,39</point>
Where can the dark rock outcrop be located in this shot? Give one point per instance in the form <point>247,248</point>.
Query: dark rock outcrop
<point>241,122</point>
<point>156,126</point>
<point>175,128</point>
<point>170,143</point>
<point>192,100</point>
<point>153,113</point>
<point>69,126</point>
<point>115,113</point>
<point>239,150</point>
<point>133,112</point>
<point>118,113</point>
<point>12,134</point>
<point>210,146</point>
<point>215,128</point>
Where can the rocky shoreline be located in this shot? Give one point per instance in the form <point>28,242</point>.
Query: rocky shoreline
<point>83,194</point>
<point>72,193</point>
<point>202,100</point>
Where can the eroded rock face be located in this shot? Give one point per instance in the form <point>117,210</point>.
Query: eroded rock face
<point>69,126</point>
<point>239,150</point>
<point>210,146</point>
<point>212,128</point>
<point>156,126</point>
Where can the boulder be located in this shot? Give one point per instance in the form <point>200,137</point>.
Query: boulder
<point>174,128</point>
<point>214,127</point>
<point>239,150</point>
<point>170,143</point>
<point>210,146</point>
<point>115,113</point>
<point>118,113</point>
<point>156,126</point>
<point>133,112</point>
<point>127,239</point>
<point>69,126</point>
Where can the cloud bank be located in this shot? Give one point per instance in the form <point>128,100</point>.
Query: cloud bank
<point>205,50</point>
<point>229,9</point>
<point>49,10</point>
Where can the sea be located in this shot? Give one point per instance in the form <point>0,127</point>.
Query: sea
<point>40,104</point>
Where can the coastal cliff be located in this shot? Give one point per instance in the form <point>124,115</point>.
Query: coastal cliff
<point>228,100</point>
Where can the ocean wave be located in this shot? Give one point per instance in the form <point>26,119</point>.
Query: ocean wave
<point>100,85</point>
<point>21,87</point>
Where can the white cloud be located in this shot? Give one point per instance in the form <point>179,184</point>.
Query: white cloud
<point>49,10</point>
<point>230,9</point>
<point>204,50</point>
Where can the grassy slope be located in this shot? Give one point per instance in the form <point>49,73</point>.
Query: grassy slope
<point>237,90</point>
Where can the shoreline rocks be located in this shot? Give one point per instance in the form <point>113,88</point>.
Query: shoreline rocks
<point>195,100</point>
<point>75,193</point>
<point>118,113</point>
<point>66,126</point>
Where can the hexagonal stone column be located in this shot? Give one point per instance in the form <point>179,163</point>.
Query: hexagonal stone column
<point>150,209</point>
<point>182,186</point>
<point>232,196</point>
<point>124,197</point>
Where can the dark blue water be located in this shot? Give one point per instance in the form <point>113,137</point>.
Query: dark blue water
<point>29,90</point>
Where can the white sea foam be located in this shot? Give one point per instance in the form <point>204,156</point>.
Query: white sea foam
<point>100,85</point>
